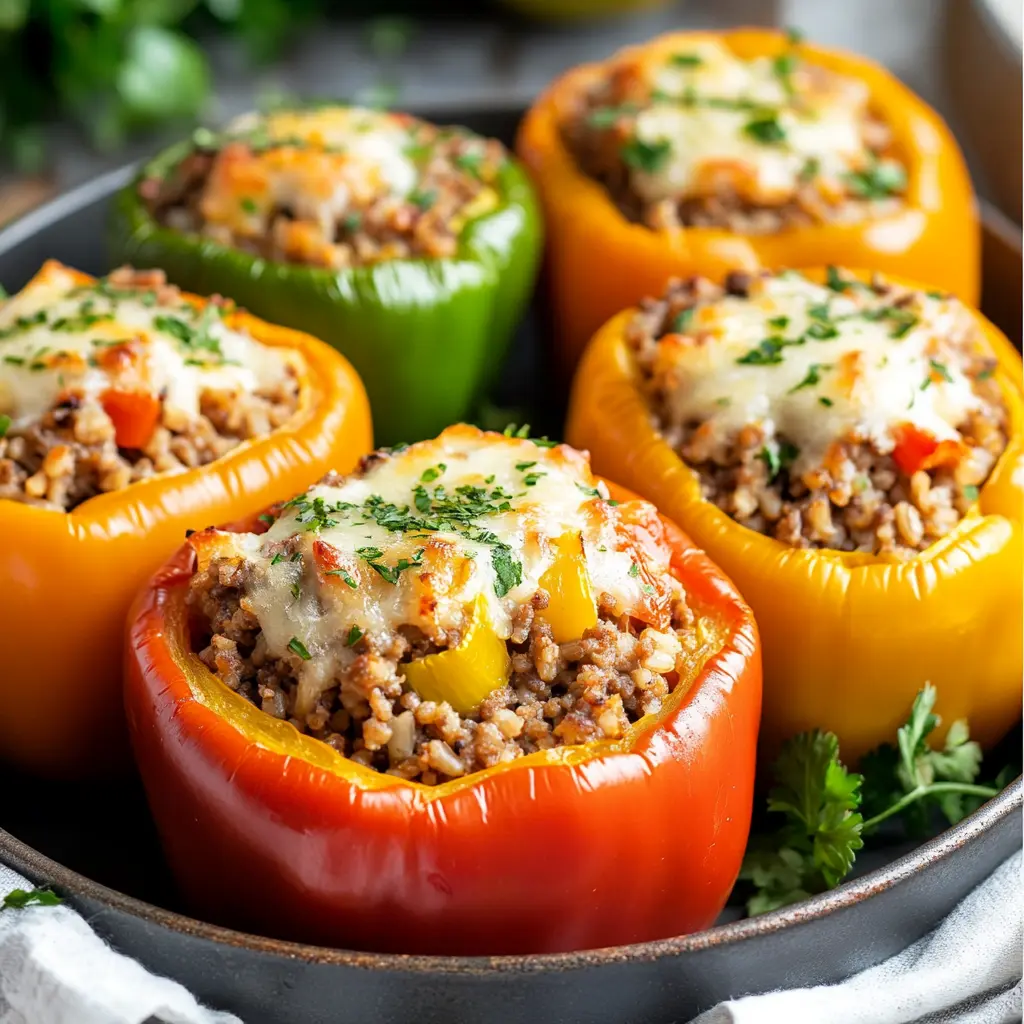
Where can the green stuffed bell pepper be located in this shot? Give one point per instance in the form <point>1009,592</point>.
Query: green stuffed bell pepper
<point>410,248</point>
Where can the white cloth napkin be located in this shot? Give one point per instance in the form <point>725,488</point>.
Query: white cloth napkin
<point>967,971</point>
<point>54,969</point>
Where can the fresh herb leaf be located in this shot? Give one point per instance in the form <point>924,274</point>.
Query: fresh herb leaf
<point>767,353</point>
<point>882,179</point>
<point>686,60</point>
<point>249,205</point>
<point>634,570</point>
<point>780,323</point>
<point>819,834</point>
<point>430,475</point>
<point>810,170</point>
<point>825,401</point>
<point>266,517</point>
<point>941,369</point>
<point>769,455</point>
<point>970,491</point>
<point>18,899</point>
<point>835,280</point>
<point>508,573</point>
<point>794,36</point>
<point>682,320</point>
<point>5,424</point>
<point>355,634</point>
<point>812,377</point>
<point>346,577</point>
<point>296,646</point>
<point>766,129</point>
<point>648,157</point>
<point>470,163</point>
<point>607,117</point>
<point>424,199</point>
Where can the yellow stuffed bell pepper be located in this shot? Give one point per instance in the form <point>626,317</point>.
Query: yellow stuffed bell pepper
<point>748,142</point>
<point>849,636</point>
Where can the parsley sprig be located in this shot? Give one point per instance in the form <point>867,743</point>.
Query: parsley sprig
<point>18,899</point>
<point>823,805</point>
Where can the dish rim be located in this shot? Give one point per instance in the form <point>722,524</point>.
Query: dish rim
<point>41,868</point>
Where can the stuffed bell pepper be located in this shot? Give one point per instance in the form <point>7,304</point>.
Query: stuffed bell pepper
<point>129,412</point>
<point>427,679</point>
<point>410,248</point>
<point>700,153</point>
<point>850,450</point>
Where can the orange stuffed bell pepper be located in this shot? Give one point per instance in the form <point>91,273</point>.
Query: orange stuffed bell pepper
<point>132,412</point>
<point>404,709</point>
<point>700,153</point>
<point>852,456</point>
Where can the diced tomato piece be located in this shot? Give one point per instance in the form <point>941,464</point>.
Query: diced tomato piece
<point>326,556</point>
<point>913,447</point>
<point>134,415</point>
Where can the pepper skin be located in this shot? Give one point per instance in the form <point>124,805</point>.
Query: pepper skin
<point>427,336</point>
<point>324,850</point>
<point>599,262</point>
<point>69,577</point>
<point>849,638</point>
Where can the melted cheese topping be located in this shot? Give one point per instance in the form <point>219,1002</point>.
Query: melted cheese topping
<point>57,336</point>
<point>705,104</point>
<point>815,366</point>
<point>325,569</point>
<point>323,163</point>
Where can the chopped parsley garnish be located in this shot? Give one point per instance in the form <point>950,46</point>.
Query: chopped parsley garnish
<point>24,323</point>
<point>346,577</point>
<point>812,377</point>
<point>5,424</point>
<point>880,180</point>
<point>819,311</point>
<point>766,129</point>
<point>810,169</point>
<point>682,319</point>
<point>388,573</point>
<point>784,65</point>
<point>794,36</point>
<point>941,369</point>
<point>986,373</point>
<point>820,330</point>
<point>267,518</point>
<point>82,322</point>
<point>352,222</point>
<point>249,205</point>
<point>648,157</point>
<point>970,492</point>
<point>778,457</point>
<point>523,466</point>
<point>767,353</point>
<point>355,634</point>
<point>20,361</point>
<point>531,478</point>
<point>470,162</point>
<point>18,899</point>
<point>279,557</point>
<point>905,323</point>
<point>686,60</point>
<point>296,646</point>
<point>508,573</point>
<point>432,473</point>
<point>724,401</point>
<point>835,281</point>
<point>825,401</point>
<point>607,117</point>
<point>590,492</point>
<point>424,199</point>
<point>780,323</point>
<point>634,570</point>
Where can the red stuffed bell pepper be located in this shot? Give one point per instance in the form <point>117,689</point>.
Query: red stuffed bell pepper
<point>459,684</point>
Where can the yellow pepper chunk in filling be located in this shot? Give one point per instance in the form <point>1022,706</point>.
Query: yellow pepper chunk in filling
<point>464,675</point>
<point>571,610</point>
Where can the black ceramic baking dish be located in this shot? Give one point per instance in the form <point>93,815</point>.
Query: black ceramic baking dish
<point>96,844</point>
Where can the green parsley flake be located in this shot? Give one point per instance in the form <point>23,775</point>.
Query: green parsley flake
<point>430,475</point>
<point>249,205</point>
<point>970,492</point>
<point>634,570</point>
<point>682,319</point>
<point>810,170</point>
<point>686,60</point>
<point>5,424</point>
<point>766,129</point>
<point>812,377</point>
<point>767,353</point>
<point>648,157</point>
<point>881,180</point>
<point>835,281</point>
<point>346,577</point>
<point>424,199</point>
<point>941,369</point>
<point>355,634</point>
<point>296,646</point>
<point>607,117</point>
<point>825,401</point>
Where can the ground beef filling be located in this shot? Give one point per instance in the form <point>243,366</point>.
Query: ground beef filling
<point>858,501</point>
<point>427,222</point>
<point>70,454</point>
<point>558,694</point>
<point>597,146</point>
